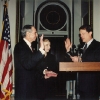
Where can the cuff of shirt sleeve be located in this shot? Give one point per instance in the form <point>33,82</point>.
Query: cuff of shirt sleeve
<point>67,51</point>
<point>42,51</point>
<point>44,71</point>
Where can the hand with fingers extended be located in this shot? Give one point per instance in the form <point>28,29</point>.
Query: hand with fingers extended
<point>49,74</point>
<point>41,42</point>
<point>68,44</point>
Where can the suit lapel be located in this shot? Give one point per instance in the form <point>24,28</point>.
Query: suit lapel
<point>26,46</point>
<point>90,47</point>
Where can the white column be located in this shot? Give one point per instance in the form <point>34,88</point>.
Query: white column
<point>12,20</point>
<point>77,20</point>
<point>96,19</point>
<point>28,19</point>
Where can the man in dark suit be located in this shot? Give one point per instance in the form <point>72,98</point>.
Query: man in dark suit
<point>26,61</point>
<point>88,81</point>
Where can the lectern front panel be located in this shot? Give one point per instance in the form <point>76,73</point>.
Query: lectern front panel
<point>79,66</point>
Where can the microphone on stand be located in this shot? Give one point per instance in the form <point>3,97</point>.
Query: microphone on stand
<point>73,48</point>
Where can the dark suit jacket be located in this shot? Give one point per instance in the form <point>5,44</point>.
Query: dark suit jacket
<point>25,65</point>
<point>45,86</point>
<point>89,81</point>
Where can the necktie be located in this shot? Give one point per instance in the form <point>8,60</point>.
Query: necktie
<point>85,47</point>
<point>31,48</point>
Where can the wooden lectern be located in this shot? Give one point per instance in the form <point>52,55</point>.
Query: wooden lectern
<point>79,66</point>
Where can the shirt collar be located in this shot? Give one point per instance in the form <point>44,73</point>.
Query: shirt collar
<point>88,43</point>
<point>28,43</point>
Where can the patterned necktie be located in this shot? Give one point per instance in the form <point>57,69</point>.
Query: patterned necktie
<point>85,47</point>
<point>31,47</point>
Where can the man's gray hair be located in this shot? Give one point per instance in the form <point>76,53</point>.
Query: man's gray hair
<point>26,28</point>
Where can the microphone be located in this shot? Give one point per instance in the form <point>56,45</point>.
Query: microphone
<point>74,48</point>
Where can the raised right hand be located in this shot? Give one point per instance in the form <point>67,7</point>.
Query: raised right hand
<point>41,42</point>
<point>68,44</point>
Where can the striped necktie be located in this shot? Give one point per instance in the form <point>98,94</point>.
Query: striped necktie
<point>31,47</point>
<point>85,47</point>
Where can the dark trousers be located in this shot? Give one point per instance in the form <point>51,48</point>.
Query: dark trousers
<point>88,96</point>
<point>45,88</point>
